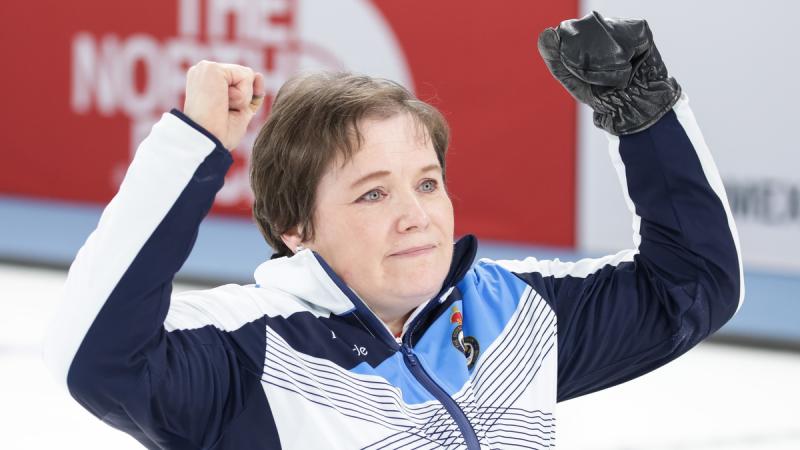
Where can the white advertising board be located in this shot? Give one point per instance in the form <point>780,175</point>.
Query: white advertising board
<point>738,63</point>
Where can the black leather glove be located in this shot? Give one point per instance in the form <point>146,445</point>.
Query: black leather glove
<point>613,66</point>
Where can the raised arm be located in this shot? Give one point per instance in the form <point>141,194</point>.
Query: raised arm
<point>626,314</point>
<point>108,342</point>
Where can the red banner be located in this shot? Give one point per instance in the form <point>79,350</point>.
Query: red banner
<point>85,80</point>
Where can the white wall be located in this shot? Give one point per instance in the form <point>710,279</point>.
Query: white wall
<point>738,62</point>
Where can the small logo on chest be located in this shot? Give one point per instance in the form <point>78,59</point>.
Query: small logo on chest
<point>467,345</point>
<point>359,351</point>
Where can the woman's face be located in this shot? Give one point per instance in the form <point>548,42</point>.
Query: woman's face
<point>384,221</point>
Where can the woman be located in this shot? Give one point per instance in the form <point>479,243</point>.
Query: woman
<point>374,330</point>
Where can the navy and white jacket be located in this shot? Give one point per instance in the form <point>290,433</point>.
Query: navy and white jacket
<point>297,361</point>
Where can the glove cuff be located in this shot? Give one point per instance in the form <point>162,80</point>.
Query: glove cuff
<point>633,115</point>
<point>650,94</point>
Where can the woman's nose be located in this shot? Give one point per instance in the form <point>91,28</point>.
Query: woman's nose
<point>412,214</point>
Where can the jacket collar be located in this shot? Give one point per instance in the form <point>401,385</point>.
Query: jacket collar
<point>308,277</point>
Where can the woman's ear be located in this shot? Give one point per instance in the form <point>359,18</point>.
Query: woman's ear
<point>293,239</point>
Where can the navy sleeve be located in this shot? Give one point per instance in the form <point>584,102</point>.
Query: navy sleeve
<point>624,315</point>
<point>175,388</point>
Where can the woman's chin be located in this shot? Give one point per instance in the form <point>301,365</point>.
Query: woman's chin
<point>416,291</point>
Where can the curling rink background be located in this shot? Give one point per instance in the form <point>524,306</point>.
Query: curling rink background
<point>54,183</point>
<point>714,397</point>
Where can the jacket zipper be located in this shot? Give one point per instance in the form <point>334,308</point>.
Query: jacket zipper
<point>449,404</point>
<point>415,366</point>
<point>410,359</point>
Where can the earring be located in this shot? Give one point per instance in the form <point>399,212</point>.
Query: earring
<point>300,248</point>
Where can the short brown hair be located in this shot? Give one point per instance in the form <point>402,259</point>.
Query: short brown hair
<point>314,119</point>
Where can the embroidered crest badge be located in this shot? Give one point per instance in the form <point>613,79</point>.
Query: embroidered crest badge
<point>467,345</point>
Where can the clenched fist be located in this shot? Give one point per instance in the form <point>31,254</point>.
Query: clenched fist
<point>223,98</point>
<point>613,66</point>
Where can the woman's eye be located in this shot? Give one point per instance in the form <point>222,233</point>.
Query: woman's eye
<point>372,196</point>
<point>428,186</point>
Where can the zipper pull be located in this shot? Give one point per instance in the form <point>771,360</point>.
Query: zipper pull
<point>410,356</point>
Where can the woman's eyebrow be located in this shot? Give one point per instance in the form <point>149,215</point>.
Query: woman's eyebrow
<point>431,168</point>
<point>370,176</point>
<point>383,173</point>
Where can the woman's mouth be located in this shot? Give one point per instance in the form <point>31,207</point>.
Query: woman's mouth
<point>415,251</point>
